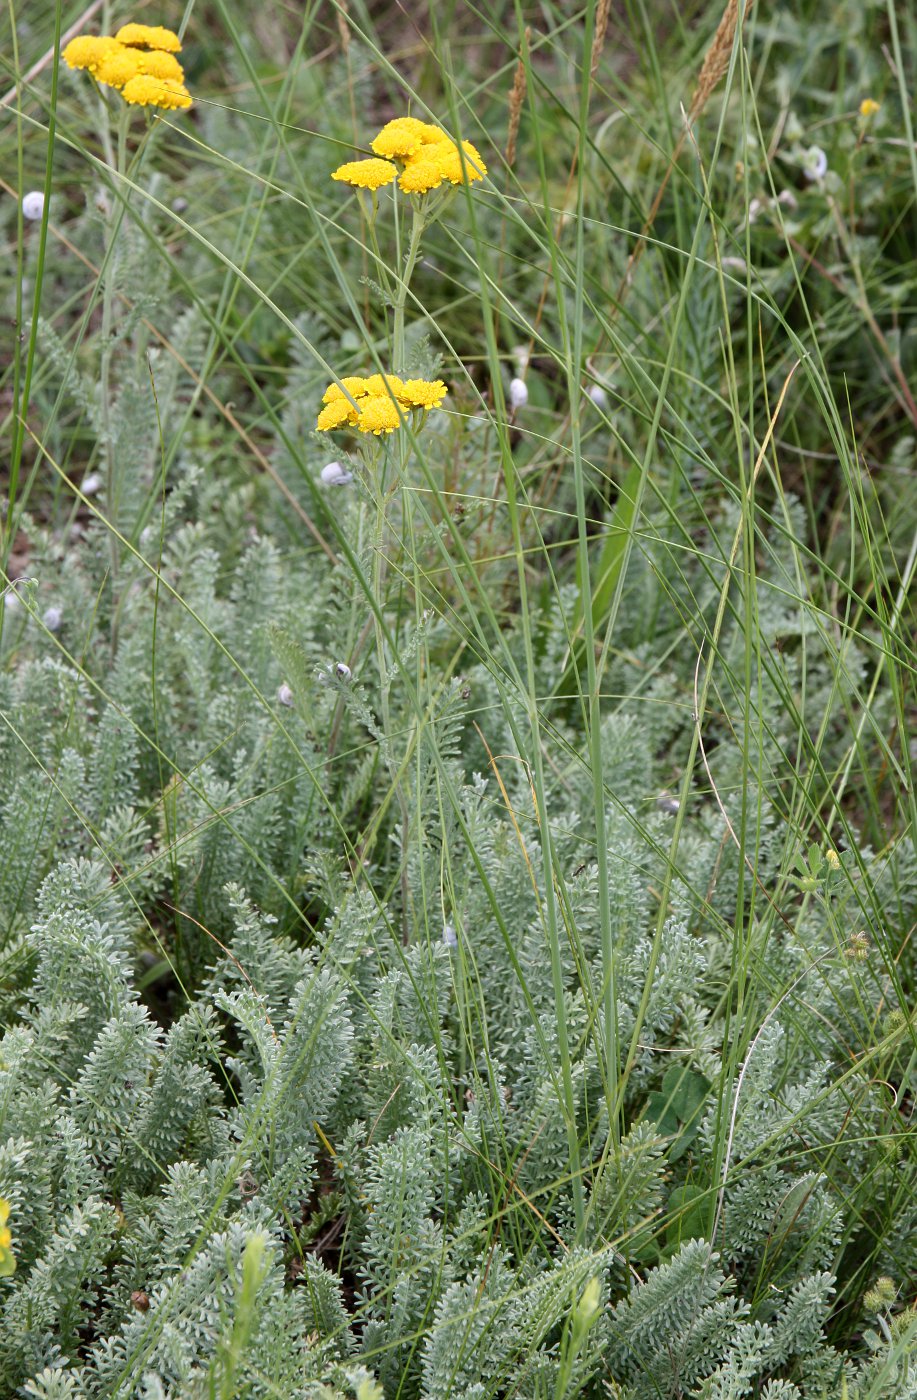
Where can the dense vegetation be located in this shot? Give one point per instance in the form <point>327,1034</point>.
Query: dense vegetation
<point>457,869</point>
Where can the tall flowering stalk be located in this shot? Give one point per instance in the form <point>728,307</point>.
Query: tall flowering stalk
<point>139,64</point>
<point>423,167</point>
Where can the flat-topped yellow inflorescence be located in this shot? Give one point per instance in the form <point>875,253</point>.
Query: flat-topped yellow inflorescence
<point>377,403</point>
<point>89,51</point>
<point>144,91</point>
<point>149,36</point>
<point>421,156</point>
<point>139,62</point>
<point>369,174</point>
<point>118,67</point>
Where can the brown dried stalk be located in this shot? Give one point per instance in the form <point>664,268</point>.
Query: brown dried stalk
<point>598,39</point>
<point>516,99</point>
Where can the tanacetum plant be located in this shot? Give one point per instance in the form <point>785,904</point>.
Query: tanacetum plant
<point>139,62</point>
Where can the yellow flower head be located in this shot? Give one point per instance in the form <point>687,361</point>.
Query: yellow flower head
<point>402,137</point>
<point>119,66</point>
<point>833,859</point>
<point>337,414</point>
<point>456,169</point>
<point>159,64</point>
<point>388,385</point>
<point>868,107</point>
<point>89,51</point>
<point>378,414</point>
<point>7,1258</point>
<point>366,174</point>
<point>353,383</point>
<point>441,160</point>
<point>422,174</point>
<point>149,36</point>
<point>423,393</point>
<point>144,91</point>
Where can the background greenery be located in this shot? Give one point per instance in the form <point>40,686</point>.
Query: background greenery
<point>432,979</point>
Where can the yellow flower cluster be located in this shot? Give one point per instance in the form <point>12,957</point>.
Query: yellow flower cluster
<point>7,1258</point>
<point>421,156</point>
<point>868,107</point>
<point>139,61</point>
<point>379,402</point>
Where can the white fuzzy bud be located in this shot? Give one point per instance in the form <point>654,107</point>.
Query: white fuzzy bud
<point>334,474</point>
<point>343,672</point>
<point>52,618</point>
<point>816,166</point>
<point>450,937</point>
<point>598,396</point>
<point>91,484</point>
<point>11,601</point>
<point>518,393</point>
<point>33,204</point>
<point>285,695</point>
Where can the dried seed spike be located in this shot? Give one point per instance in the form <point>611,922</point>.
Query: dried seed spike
<point>716,59</point>
<point>516,99</point>
<point>598,38</point>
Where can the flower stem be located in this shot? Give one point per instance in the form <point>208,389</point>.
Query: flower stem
<point>401,296</point>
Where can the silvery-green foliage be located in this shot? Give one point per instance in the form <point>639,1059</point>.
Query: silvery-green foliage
<point>224,1017</point>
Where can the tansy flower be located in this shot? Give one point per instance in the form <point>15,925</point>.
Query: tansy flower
<point>378,414</point>
<point>7,1258</point>
<point>453,167</point>
<point>118,67</point>
<point>159,64</point>
<point>89,51</point>
<point>423,393</point>
<point>354,385</point>
<point>868,107</point>
<point>336,414</point>
<point>421,175</point>
<point>388,384</point>
<point>402,137</point>
<point>369,174</point>
<point>149,36</point>
<point>144,91</point>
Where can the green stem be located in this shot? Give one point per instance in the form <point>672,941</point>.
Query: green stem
<point>401,295</point>
<point>115,159</point>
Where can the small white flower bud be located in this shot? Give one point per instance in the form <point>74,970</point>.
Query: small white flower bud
<point>598,396</point>
<point>665,802</point>
<point>334,474</point>
<point>342,671</point>
<point>518,393</point>
<point>737,265</point>
<point>816,166</point>
<point>91,484</point>
<point>33,204</point>
<point>285,695</point>
<point>53,617</point>
<point>11,601</point>
<point>179,204</point>
<point>788,199</point>
<point>450,937</point>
